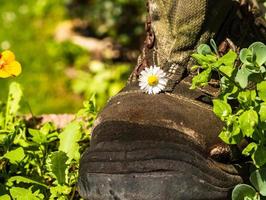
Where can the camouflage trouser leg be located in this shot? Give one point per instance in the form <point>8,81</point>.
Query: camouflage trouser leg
<point>175,28</point>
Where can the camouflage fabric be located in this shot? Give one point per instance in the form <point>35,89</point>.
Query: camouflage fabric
<point>179,26</point>
<point>176,27</point>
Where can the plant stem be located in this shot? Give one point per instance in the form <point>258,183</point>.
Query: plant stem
<point>73,193</point>
<point>230,79</point>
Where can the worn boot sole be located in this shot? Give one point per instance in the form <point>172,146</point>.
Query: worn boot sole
<point>153,170</point>
<point>147,147</point>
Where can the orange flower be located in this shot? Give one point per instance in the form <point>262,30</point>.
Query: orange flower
<point>8,65</point>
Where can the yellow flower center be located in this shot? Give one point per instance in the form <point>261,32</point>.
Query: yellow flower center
<point>153,80</point>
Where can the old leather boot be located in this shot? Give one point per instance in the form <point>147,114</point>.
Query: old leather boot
<point>166,146</point>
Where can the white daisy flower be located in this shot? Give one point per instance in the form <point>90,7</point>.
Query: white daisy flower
<point>152,80</point>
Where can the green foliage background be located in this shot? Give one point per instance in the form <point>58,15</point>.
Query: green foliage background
<point>28,28</point>
<point>120,19</point>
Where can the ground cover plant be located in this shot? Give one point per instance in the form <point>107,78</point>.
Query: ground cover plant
<point>240,105</point>
<point>40,162</point>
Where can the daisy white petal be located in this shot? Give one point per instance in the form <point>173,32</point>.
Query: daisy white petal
<point>161,87</point>
<point>144,73</point>
<point>152,80</point>
<point>157,70</point>
<point>162,81</point>
<point>156,90</point>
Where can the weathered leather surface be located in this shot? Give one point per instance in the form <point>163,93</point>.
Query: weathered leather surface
<point>174,111</point>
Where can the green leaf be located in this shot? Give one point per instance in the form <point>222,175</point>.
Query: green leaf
<point>12,107</point>
<point>235,129</point>
<point>247,121</point>
<point>204,59</point>
<point>227,87</point>
<point>246,57</point>
<point>228,59</point>
<point>37,136</point>
<point>214,46</point>
<point>14,97</point>
<point>244,192</point>
<point>259,51</point>
<point>258,180</point>
<point>90,106</point>
<point>18,193</point>
<point>15,156</point>
<point>229,137</point>
<point>59,166</point>
<point>204,49</point>
<point>45,134</point>
<point>47,128</point>
<point>59,191</point>
<point>221,108</point>
<point>227,70</point>
<point>242,77</point>
<point>259,156</point>
<point>69,140</point>
<point>21,179</point>
<point>250,149</point>
<point>201,79</point>
<point>3,138</point>
<point>247,97</point>
<point>261,87</point>
<point>262,112</point>
<point>5,197</point>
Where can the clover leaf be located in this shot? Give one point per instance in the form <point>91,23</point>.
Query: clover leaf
<point>258,180</point>
<point>243,85</point>
<point>202,79</point>
<point>204,49</point>
<point>246,98</point>
<point>246,56</point>
<point>250,149</point>
<point>244,192</point>
<point>259,52</point>
<point>221,108</point>
<point>259,156</point>
<point>242,77</point>
<point>261,87</point>
<point>262,112</point>
<point>247,121</point>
